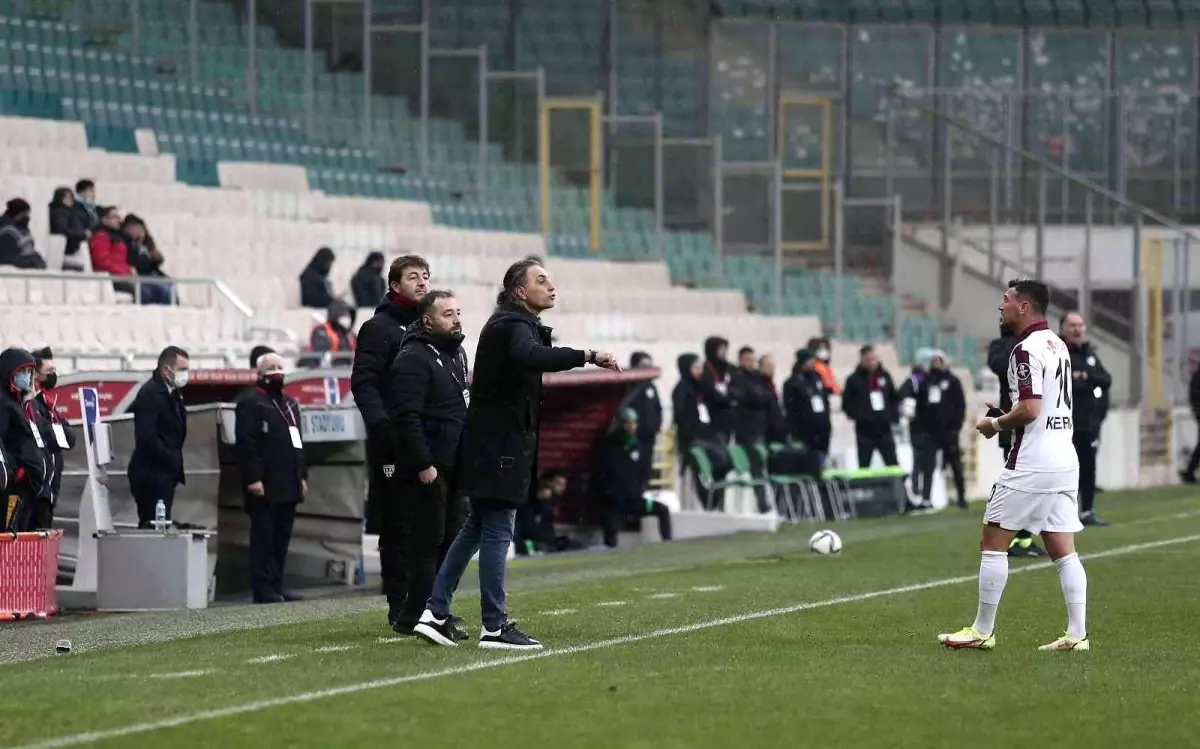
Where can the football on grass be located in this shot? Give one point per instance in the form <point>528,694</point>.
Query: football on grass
<point>825,542</point>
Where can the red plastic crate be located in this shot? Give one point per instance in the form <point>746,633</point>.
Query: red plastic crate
<point>28,573</point>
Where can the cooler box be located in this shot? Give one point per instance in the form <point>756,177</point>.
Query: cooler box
<point>146,570</point>
<point>874,492</point>
<point>28,572</point>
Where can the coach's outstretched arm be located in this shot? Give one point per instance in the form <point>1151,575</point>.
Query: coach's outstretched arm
<point>525,347</point>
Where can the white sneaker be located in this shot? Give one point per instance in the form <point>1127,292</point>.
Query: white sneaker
<point>968,639</point>
<point>1066,642</point>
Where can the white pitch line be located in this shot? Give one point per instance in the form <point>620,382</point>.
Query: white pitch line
<point>488,664</point>
<point>387,640</point>
<point>559,612</point>
<point>183,674</point>
<point>707,588</point>
<point>273,658</point>
<point>662,596</point>
<point>611,604</point>
<point>334,648</point>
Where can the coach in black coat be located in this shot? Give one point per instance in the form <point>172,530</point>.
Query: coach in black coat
<point>274,476</point>
<point>159,429</point>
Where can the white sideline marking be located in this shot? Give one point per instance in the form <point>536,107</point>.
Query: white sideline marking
<point>386,640</point>
<point>271,658</point>
<point>334,648</point>
<point>490,663</point>
<point>707,588</point>
<point>559,612</point>
<point>612,603</point>
<point>183,674</point>
<point>662,596</point>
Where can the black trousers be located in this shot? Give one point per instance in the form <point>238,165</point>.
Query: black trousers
<point>18,512</point>
<point>386,498</point>
<point>758,469</point>
<point>870,439</point>
<point>431,514</point>
<point>816,439</point>
<point>947,445</point>
<point>1194,461</point>
<point>270,535</point>
<point>1087,469</point>
<point>612,520</point>
<point>921,447</point>
<point>146,496</point>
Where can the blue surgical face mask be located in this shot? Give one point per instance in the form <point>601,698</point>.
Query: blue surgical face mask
<point>23,381</point>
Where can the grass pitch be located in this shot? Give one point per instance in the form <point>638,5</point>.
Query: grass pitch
<point>715,643</point>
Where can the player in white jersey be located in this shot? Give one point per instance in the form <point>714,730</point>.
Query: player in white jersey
<point>1037,488</point>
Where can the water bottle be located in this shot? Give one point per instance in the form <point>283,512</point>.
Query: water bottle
<point>160,516</point>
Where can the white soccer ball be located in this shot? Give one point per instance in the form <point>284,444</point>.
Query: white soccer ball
<point>825,542</point>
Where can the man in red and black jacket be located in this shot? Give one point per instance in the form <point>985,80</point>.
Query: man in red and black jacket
<point>870,401</point>
<point>23,443</point>
<point>378,343</point>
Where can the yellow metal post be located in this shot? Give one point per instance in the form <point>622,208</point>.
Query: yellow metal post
<point>593,107</point>
<point>544,167</point>
<point>1153,273</point>
<point>823,175</point>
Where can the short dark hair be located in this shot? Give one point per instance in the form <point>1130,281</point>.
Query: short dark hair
<point>403,263</point>
<point>60,193</point>
<point>41,355</point>
<point>745,350</point>
<point>84,184</point>
<point>107,211</point>
<point>866,349</point>
<point>170,355</point>
<point>1034,292</point>
<point>637,358</point>
<point>16,207</point>
<point>425,306</point>
<point>514,277</point>
<point>1063,320</point>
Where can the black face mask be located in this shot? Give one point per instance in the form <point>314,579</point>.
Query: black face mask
<point>50,382</point>
<point>272,383</point>
<point>22,223</point>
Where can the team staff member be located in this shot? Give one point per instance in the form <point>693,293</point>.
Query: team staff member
<point>57,436</point>
<point>274,476</point>
<point>28,461</point>
<point>428,392</point>
<point>917,438</point>
<point>870,402</point>
<point>806,403</point>
<point>499,450</point>
<point>160,429</point>
<point>378,343</point>
<point>1089,380</point>
<point>648,407</point>
<point>1188,475</point>
<point>941,411</point>
<point>999,351</point>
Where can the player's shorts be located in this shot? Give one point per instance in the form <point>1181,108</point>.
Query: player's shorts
<point>1032,509</point>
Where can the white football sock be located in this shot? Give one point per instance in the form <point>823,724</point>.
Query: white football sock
<point>1074,588</point>
<point>993,575</point>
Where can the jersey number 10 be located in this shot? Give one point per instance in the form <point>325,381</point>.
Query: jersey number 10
<point>1063,375</point>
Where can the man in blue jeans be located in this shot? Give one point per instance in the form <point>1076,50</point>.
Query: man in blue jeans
<point>498,457</point>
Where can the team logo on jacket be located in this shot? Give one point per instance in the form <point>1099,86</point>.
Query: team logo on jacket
<point>1023,373</point>
<point>389,471</point>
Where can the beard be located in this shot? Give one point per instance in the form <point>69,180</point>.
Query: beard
<point>452,337</point>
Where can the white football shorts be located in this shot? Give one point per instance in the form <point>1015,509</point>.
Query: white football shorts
<point>1018,509</point>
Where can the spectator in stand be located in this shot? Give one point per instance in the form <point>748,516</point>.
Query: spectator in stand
<point>159,431</point>
<point>56,434</point>
<point>694,429</point>
<point>715,381</point>
<point>648,407</point>
<point>66,221</point>
<point>85,204</point>
<point>23,443</point>
<point>336,334</point>
<point>16,241</point>
<point>316,290</point>
<point>146,261</point>
<point>870,402</point>
<point>823,351</point>
<point>367,286</point>
<point>941,411</point>
<point>110,250</point>
<point>621,486</point>
<point>806,403</point>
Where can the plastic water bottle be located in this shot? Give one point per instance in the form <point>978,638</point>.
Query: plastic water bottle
<point>160,516</point>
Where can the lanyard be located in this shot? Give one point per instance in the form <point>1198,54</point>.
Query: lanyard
<point>288,418</point>
<point>454,362</point>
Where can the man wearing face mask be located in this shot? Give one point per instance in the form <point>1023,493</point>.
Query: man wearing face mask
<point>16,241</point>
<point>159,429</point>
<point>23,443</point>
<point>336,334</point>
<point>428,389</point>
<point>822,351</point>
<point>274,476</point>
<point>56,434</point>
<point>940,413</point>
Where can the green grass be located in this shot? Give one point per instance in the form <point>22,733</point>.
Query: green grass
<point>828,672</point>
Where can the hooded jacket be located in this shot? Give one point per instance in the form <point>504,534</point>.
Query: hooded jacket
<point>941,404</point>
<point>67,222</point>
<point>315,289</point>
<point>329,336</point>
<point>379,341</point>
<point>689,400</point>
<point>17,248</point>
<point>30,463</point>
<point>427,388</point>
<point>265,450</point>
<point>500,440</point>
<point>367,286</point>
<point>715,382</point>
<point>806,403</point>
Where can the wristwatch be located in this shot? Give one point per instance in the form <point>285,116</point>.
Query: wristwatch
<point>591,356</point>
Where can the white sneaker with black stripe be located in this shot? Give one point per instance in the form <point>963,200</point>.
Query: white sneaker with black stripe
<point>435,631</point>
<point>507,637</point>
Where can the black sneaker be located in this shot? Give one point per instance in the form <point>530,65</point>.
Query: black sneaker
<point>435,631</point>
<point>1186,477</point>
<point>393,616</point>
<point>507,637</point>
<point>1091,518</point>
<point>456,630</point>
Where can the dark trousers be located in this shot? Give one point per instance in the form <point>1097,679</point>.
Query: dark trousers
<point>718,458</point>
<point>432,515</point>
<point>43,515</point>
<point>921,448</point>
<point>870,439</point>
<point>270,535</point>
<point>17,513</point>
<point>386,498</point>
<point>1087,469</point>
<point>816,439</point>
<point>488,529</point>
<point>758,469</point>
<point>146,496</point>
<point>1194,461</point>
<point>947,445</point>
<point>638,509</point>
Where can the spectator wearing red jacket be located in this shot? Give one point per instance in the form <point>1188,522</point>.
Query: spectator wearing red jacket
<point>110,251</point>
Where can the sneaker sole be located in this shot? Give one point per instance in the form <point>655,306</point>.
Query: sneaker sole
<point>433,637</point>
<point>508,646</point>
<point>1081,647</point>
<point>976,645</point>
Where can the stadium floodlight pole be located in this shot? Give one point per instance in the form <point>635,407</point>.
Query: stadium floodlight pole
<point>194,40</point>
<point>252,56</point>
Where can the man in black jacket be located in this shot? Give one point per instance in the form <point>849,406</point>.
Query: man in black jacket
<point>715,380</point>
<point>622,488</point>
<point>648,407</point>
<point>428,392</point>
<point>806,404</point>
<point>499,450</point>
<point>16,241</point>
<point>378,343</point>
<point>160,429</point>
<point>1089,380</point>
<point>274,476</point>
<point>56,434</point>
<point>694,429</point>
<point>999,352</point>
<point>869,400</point>
<point>941,411</point>
<point>1188,475</point>
<point>24,446</point>
<point>751,416</point>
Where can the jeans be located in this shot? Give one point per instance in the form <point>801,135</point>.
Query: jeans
<point>489,530</point>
